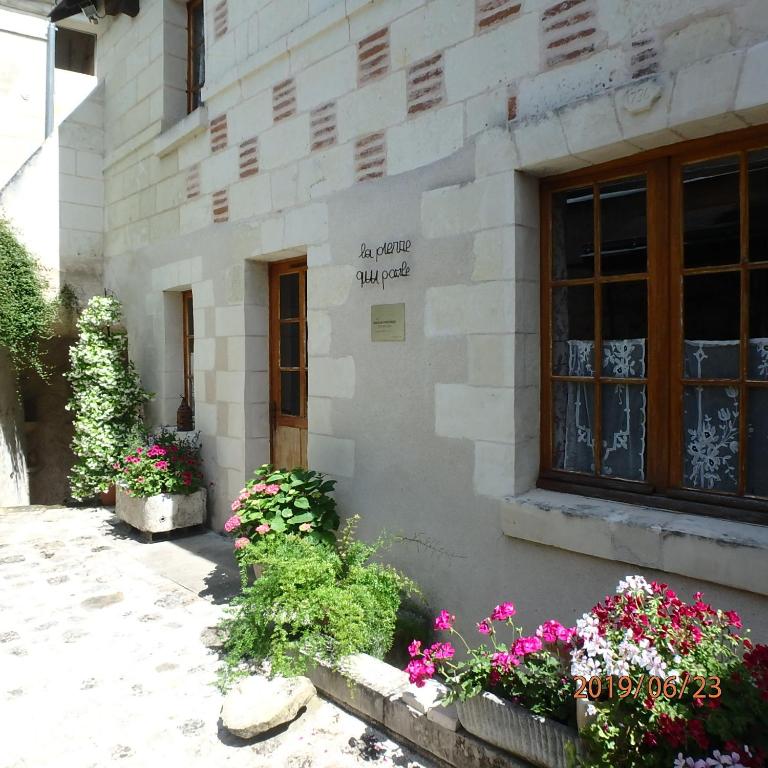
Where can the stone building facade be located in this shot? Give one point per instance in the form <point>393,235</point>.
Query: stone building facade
<point>401,147</point>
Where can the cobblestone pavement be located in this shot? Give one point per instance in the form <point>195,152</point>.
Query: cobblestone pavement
<point>102,660</point>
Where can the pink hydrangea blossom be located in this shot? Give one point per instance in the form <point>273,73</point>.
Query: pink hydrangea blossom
<point>305,527</point>
<point>242,542</point>
<point>484,627</point>
<point>243,497</point>
<point>444,620</point>
<point>503,612</point>
<point>235,505</point>
<point>272,489</point>
<point>259,487</point>
<point>232,523</point>
<point>263,528</point>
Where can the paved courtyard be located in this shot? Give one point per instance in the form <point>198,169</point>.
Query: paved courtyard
<point>103,655</point>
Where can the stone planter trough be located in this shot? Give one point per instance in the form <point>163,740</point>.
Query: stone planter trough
<point>161,513</point>
<point>537,739</point>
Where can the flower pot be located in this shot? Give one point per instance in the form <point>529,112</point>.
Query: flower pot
<point>537,739</point>
<point>163,512</point>
<point>107,498</point>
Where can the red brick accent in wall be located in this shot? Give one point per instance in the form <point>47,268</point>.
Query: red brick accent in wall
<point>511,106</point>
<point>488,13</point>
<point>284,100</point>
<point>643,56</point>
<point>219,133</point>
<point>193,182</point>
<point>426,87</point>
<point>569,30</point>
<point>370,156</point>
<point>249,157</point>
<point>220,206</point>
<point>220,19</point>
<point>322,126</point>
<point>373,56</point>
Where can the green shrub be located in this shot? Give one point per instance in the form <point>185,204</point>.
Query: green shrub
<point>107,398</point>
<point>312,600</point>
<point>26,316</point>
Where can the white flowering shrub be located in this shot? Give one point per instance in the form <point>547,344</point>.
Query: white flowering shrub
<point>107,398</point>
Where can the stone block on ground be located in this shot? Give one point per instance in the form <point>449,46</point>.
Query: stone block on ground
<point>257,704</point>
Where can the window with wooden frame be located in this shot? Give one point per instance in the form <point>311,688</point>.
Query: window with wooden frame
<point>655,328</point>
<point>188,346</point>
<point>195,53</point>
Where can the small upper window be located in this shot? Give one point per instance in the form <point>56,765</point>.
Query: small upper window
<point>75,51</point>
<point>195,53</point>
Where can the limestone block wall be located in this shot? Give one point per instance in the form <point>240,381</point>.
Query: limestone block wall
<point>330,125</point>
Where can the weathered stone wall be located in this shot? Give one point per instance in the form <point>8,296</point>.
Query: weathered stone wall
<point>328,125</point>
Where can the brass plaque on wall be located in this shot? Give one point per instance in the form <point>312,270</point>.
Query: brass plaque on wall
<point>388,322</point>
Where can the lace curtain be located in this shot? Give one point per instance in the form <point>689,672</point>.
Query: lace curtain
<point>710,414</point>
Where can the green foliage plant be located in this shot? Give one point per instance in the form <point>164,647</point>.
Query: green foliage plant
<point>107,398</point>
<point>311,601</point>
<point>26,315</point>
<point>277,501</point>
<point>166,463</point>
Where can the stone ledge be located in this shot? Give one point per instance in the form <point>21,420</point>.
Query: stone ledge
<point>379,692</point>
<point>725,552</point>
<point>180,133</point>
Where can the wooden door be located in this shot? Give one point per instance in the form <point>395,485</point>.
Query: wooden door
<point>288,362</point>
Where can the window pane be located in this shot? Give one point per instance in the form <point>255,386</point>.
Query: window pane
<point>289,345</point>
<point>758,205</point>
<point>623,409</point>
<point>711,212</point>
<point>289,393</point>
<point>757,443</point>
<point>711,438</point>
<point>289,296</point>
<point>712,329</point>
<point>190,316</point>
<point>573,331</point>
<point>573,234</point>
<point>758,324</point>
<point>625,329</point>
<point>623,227</point>
<point>573,413</point>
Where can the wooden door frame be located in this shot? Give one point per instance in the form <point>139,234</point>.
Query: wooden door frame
<point>277,419</point>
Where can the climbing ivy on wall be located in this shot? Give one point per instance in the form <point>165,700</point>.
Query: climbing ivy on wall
<point>26,315</point>
<point>107,397</point>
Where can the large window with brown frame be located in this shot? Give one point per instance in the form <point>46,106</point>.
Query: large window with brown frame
<point>655,328</point>
<point>195,53</point>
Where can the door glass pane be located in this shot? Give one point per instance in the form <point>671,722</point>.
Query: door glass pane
<point>711,322</point>
<point>711,438</point>
<point>289,345</point>
<point>573,234</point>
<point>757,443</point>
<point>623,410</point>
<point>625,329</point>
<point>711,212</point>
<point>188,306</point>
<point>289,393</point>
<point>757,357</point>
<point>758,205</point>
<point>623,227</point>
<point>573,414</point>
<point>289,296</point>
<point>573,332</point>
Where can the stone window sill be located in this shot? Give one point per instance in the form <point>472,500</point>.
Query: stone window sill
<point>182,131</point>
<point>725,552</point>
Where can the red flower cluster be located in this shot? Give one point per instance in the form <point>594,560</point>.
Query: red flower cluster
<point>756,661</point>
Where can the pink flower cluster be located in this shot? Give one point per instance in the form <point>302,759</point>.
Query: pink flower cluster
<point>232,523</point>
<point>421,666</point>
<point>155,451</point>
<point>242,542</point>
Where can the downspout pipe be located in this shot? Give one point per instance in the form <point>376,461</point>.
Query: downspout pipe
<point>50,63</point>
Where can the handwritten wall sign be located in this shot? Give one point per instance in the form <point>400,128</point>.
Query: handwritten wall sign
<point>381,276</point>
<point>388,322</point>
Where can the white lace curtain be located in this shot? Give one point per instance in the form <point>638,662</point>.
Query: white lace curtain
<point>710,414</point>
